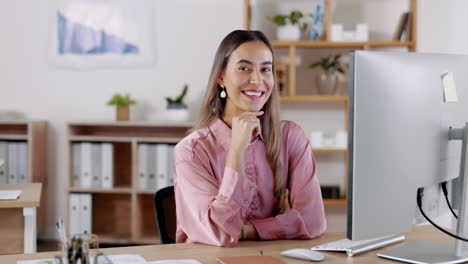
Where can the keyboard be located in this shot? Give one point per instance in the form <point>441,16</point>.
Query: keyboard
<point>353,247</point>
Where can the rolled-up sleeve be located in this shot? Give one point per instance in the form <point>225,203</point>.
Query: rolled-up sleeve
<point>209,211</point>
<point>306,220</point>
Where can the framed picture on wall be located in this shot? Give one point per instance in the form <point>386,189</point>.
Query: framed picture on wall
<point>92,34</point>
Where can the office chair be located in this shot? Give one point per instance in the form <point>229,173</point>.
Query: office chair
<point>165,210</point>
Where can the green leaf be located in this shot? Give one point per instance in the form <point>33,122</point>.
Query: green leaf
<point>295,16</point>
<point>180,98</point>
<point>121,100</point>
<point>329,63</point>
<point>280,20</point>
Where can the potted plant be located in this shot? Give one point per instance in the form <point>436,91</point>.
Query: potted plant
<point>327,81</point>
<point>123,103</point>
<point>176,108</point>
<point>289,26</point>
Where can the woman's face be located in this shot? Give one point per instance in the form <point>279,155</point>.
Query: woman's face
<point>248,77</point>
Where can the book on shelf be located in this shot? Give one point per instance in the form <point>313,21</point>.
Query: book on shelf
<point>403,30</point>
<point>80,213</point>
<point>107,170</point>
<point>4,157</point>
<point>151,166</point>
<point>22,162</point>
<point>162,177</point>
<point>155,165</point>
<point>92,165</point>
<point>143,165</point>
<point>86,165</point>
<point>96,166</point>
<point>76,166</point>
<point>12,163</point>
<point>15,154</point>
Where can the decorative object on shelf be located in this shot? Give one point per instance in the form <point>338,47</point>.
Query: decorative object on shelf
<point>318,24</point>
<point>330,191</point>
<point>281,76</point>
<point>360,34</point>
<point>90,35</point>
<point>336,33</point>
<point>177,110</point>
<point>341,139</point>
<point>327,81</point>
<point>290,26</point>
<point>316,139</point>
<point>123,103</point>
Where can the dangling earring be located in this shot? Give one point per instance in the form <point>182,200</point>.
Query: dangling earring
<point>223,92</point>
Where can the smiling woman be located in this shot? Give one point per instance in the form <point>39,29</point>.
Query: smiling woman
<point>242,173</point>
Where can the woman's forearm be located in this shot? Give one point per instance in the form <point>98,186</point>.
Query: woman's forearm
<point>235,160</point>
<point>249,232</point>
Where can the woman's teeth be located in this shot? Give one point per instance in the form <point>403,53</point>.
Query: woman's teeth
<point>254,93</point>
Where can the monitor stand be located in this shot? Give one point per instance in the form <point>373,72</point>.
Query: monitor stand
<point>433,252</point>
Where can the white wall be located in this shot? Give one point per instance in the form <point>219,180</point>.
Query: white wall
<point>187,33</point>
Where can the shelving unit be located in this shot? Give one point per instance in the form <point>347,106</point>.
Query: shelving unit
<point>293,48</point>
<point>123,214</point>
<point>34,133</point>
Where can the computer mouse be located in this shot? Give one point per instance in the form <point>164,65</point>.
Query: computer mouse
<point>304,254</point>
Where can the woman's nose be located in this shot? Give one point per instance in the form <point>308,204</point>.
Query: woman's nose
<point>255,77</point>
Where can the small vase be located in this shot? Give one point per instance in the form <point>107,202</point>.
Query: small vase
<point>177,112</point>
<point>327,83</point>
<point>123,113</point>
<point>288,32</point>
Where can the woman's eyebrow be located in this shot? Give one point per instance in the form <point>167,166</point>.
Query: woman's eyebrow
<point>249,62</point>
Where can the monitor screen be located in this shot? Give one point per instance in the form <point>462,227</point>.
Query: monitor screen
<point>399,123</point>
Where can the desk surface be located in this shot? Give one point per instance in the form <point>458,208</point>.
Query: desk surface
<point>207,254</point>
<point>30,197</point>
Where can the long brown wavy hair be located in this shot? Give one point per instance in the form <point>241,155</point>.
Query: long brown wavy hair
<point>213,107</point>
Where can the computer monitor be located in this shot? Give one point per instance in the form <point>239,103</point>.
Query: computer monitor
<point>399,137</point>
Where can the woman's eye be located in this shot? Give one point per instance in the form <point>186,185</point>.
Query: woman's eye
<point>266,69</point>
<point>244,69</point>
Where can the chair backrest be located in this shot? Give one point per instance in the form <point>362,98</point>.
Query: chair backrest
<point>165,210</point>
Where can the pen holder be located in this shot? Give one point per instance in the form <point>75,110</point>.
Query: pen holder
<point>76,251</point>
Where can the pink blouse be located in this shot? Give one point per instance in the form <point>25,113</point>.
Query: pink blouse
<point>214,201</point>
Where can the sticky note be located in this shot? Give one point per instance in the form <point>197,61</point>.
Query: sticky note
<point>450,91</point>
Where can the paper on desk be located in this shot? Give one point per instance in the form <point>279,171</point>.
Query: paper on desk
<point>175,261</point>
<point>116,259</point>
<point>10,194</point>
<point>37,261</point>
<point>450,91</point>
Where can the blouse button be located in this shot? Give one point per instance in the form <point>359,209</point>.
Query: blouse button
<point>252,188</point>
<point>246,202</point>
<point>250,171</point>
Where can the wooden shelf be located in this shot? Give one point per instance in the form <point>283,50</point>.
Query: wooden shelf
<point>329,150</point>
<point>34,134</point>
<point>340,202</point>
<point>148,240</point>
<point>115,239</point>
<point>123,214</point>
<point>13,137</point>
<point>315,98</point>
<point>145,191</point>
<point>95,190</point>
<point>156,123</point>
<point>330,44</point>
<point>172,140</point>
